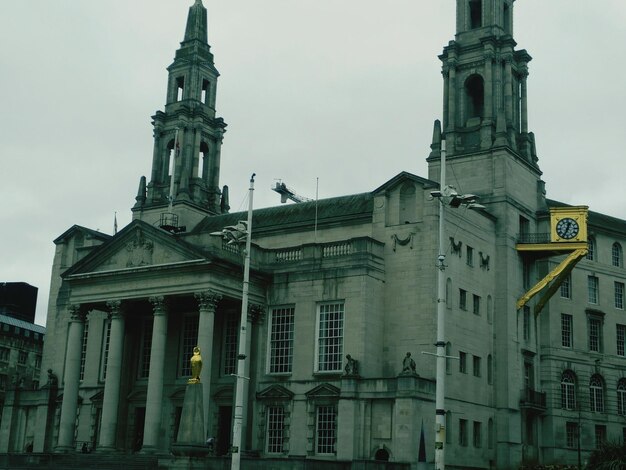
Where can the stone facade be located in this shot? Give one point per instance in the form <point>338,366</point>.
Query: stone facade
<point>353,275</point>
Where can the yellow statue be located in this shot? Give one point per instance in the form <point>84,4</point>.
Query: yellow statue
<point>196,366</point>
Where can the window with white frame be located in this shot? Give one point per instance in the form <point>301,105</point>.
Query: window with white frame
<point>619,295</point>
<point>567,325</point>
<point>275,430</point>
<point>621,397</point>
<point>595,333</point>
<point>229,346</point>
<point>188,341</point>
<point>566,287</point>
<point>596,394</point>
<point>592,289</point>
<point>616,255</point>
<point>621,337</point>
<point>568,390</point>
<point>281,340</point>
<point>325,429</point>
<point>83,351</point>
<point>591,249</point>
<point>330,337</point>
<point>143,368</point>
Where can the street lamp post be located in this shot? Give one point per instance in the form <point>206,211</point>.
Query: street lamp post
<point>235,234</point>
<point>447,196</point>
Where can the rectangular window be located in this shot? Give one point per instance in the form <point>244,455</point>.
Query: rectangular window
<point>22,357</point>
<point>463,432</point>
<point>146,346</point>
<point>83,351</point>
<point>281,340</point>
<point>229,346</point>
<point>462,362</point>
<point>462,299</point>
<point>5,353</point>
<point>600,435</point>
<point>326,430</point>
<point>188,341</point>
<point>3,382</point>
<point>595,334</point>
<point>470,256</point>
<point>330,337</point>
<point>476,304</point>
<point>476,366</point>
<point>477,434</point>
<point>566,330</point>
<point>592,289</point>
<point>566,287</point>
<point>275,429</point>
<point>571,433</point>
<point>526,320</point>
<point>621,336</point>
<point>619,295</point>
<point>37,361</point>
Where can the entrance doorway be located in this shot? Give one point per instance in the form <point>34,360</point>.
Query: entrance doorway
<point>224,427</point>
<point>140,420</point>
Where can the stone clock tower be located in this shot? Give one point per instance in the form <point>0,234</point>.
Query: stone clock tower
<point>187,136</point>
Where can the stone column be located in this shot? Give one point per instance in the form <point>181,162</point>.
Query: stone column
<point>207,303</point>
<point>486,130</point>
<point>156,163</point>
<point>111,398</point>
<point>524,110</point>
<point>508,90</point>
<point>450,139</point>
<point>71,380</point>
<point>196,154</point>
<point>445,71</point>
<point>154,398</point>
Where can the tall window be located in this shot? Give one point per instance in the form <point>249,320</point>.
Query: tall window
<point>408,207</point>
<point>22,357</point>
<point>475,13</point>
<point>330,337</point>
<point>476,366</point>
<point>592,289</point>
<point>275,429</point>
<point>595,334</point>
<point>568,390</point>
<point>146,346</point>
<point>326,430</point>
<point>526,328</point>
<point>489,369</point>
<point>462,362</point>
<point>476,304</point>
<point>463,432</point>
<point>596,394</point>
<point>621,397</point>
<point>571,434</point>
<point>188,342</point>
<point>470,256</point>
<point>462,299</point>
<point>490,434</point>
<point>621,336</point>
<point>566,287</point>
<point>83,351</point>
<point>5,353</point>
<point>600,435</point>
<point>281,340</point>
<point>478,438</point>
<point>229,346</point>
<point>591,249</point>
<point>566,330</point>
<point>616,255</point>
<point>619,295</point>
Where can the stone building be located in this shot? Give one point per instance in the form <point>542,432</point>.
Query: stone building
<point>21,346</point>
<point>352,275</point>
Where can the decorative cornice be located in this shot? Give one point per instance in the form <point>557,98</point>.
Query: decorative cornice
<point>256,313</point>
<point>115,308</point>
<point>77,313</point>
<point>208,300</point>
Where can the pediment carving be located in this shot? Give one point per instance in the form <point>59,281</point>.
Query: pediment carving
<point>275,392</point>
<point>324,390</point>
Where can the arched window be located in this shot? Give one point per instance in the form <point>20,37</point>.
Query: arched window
<point>621,397</point>
<point>568,390</point>
<point>616,255</point>
<point>408,206</point>
<point>591,249</point>
<point>475,93</point>
<point>596,394</point>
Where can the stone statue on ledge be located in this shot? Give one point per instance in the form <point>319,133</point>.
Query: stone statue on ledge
<point>352,368</point>
<point>408,365</point>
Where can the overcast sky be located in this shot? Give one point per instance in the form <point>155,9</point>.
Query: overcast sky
<point>343,90</point>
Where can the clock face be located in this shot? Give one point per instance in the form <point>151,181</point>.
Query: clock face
<point>567,228</point>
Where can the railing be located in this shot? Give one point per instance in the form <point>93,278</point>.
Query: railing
<point>230,247</point>
<point>533,398</point>
<point>533,238</point>
<point>293,254</point>
<point>336,249</point>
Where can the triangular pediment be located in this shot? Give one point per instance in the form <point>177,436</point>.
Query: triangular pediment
<point>324,390</point>
<point>138,245</point>
<point>402,178</point>
<point>275,392</point>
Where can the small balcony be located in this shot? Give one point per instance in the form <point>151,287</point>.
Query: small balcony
<point>533,238</point>
<point>533,400</point>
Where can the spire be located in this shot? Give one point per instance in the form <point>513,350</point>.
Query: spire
<point>196,23</point>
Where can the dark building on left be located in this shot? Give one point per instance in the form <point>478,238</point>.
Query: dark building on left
<point>21,346</point>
